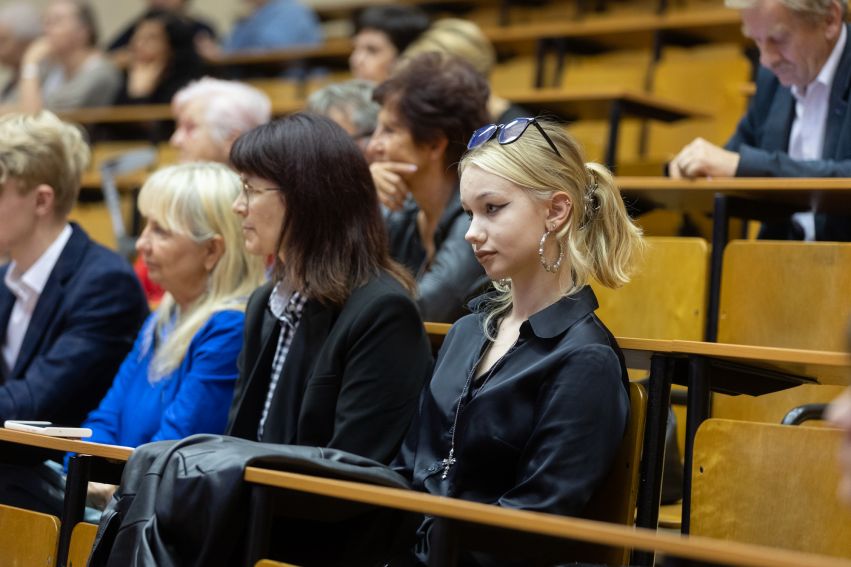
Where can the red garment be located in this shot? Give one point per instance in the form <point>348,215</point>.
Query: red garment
<point>153,292</point>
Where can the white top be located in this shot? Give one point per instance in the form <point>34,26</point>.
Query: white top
<point>27,288</point>
<point>806,140</point>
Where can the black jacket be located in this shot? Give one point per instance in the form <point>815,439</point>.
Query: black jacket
<point>351,378</point>
<point>454,276</point>
<point>762,141</point>
<point>184,503</point>
<point>542,429</point>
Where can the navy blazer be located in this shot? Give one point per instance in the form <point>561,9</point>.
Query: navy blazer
<point>351,378</point>
<point>762,141</point>
<point>82,328</point>
<point>538,431</point>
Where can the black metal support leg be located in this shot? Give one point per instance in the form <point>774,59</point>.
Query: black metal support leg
<point>615,113</point>
<point>720,227</point>
<point>650,479</point>
<point>445,544</point>
<point>259,525</point>
<point>541,50</point>
<point>74,507</point>
<point>698,411</point>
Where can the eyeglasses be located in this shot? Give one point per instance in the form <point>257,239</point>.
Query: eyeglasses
<point>507,133</point>
<point>248,191</point>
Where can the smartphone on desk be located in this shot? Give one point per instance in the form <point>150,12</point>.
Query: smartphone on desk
<point>48,428</point>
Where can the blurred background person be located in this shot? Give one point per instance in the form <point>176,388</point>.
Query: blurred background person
<point>350,105</point>
<point>162,60</point>
<point>178,380</point>
<point>429,107</point>
<point>268,25</point>
<point>209,115</point>
<point>199,28</point>
<point>465,40</point>
<point>382,33</point>
<point>64,69</point>
<point>20,24</point>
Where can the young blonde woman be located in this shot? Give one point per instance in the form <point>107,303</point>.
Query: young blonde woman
<point>528,402</point>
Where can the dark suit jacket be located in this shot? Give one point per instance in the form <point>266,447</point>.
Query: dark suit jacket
<point>83,326</point>
<point>762,141</point>
<point>351,378</point>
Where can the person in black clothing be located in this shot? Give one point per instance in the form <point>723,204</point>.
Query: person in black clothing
<point>528,402</point>
<point>118,47</point>
<point>382,33</point>
<point>428,109</point>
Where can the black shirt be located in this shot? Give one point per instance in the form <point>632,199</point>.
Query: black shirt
<point>540,432</point>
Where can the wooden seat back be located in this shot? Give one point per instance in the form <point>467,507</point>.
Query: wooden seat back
<point>82,540</point>
<point>772,485</point>
<point>786,294</point>
<point>614,501</point>
<point>666,298</point>
<point>28,538</point>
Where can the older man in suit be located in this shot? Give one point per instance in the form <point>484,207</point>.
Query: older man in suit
<point>69,308</point>
<point>798,124</point>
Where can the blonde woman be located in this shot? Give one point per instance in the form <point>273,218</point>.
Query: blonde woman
<point>528,402</point>
<point>178,379</point>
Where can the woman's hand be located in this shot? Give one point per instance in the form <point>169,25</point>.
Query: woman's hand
<point>99,494</point>
<point>390,183</point>
<point>38,51</point>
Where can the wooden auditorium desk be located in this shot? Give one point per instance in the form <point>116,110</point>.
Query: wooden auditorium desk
<point>602,102</point>
<point>94,461</point>
<point>758,198</point>
<point>536,530</point>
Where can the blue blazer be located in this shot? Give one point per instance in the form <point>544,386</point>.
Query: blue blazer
<point>82,328</point>
<point>762,141</point>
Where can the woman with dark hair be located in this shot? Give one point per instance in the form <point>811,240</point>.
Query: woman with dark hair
<point>382,33</point>
<point>162,59</point>
<point>335,353</point>
<point>428,109</point>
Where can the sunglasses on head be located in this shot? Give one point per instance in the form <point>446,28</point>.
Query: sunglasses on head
<point>507,133</point>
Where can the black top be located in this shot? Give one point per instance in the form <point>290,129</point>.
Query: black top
<point>541,430</point>
<point>123,39</point>
<point>351,378</point>
<point>454,275</point>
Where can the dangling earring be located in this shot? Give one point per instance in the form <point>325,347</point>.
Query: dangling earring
<point>554,267</point>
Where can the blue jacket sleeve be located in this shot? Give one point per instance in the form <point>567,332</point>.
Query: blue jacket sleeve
<point>105,421</point>
<point>208,376</point>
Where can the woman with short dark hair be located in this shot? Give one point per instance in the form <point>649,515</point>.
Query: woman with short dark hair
<point>382,33</point>
<point>428,109</point>
<point>335,352</point>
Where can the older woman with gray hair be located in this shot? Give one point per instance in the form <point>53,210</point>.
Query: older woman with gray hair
<point>350,105</point>
<point>210,114</point>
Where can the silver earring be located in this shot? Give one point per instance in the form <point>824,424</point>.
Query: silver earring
<point>554,267</point>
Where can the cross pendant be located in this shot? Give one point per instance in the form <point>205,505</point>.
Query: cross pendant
<point>447,463</point>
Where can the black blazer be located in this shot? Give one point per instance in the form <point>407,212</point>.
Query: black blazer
<point>83,326</point>
<point>351,378</point>
<point>762,141</point>
<point>541,430</point>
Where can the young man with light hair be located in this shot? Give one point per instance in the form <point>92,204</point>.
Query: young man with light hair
<point>798,123</point>
<point>69,308</point>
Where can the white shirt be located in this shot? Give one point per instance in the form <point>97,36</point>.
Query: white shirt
<point>806,140</point>
<point>27,288</point>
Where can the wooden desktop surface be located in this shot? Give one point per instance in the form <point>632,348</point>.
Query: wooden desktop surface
<point>116,452</point>
<point>699,194</point>
<point>702,549</point>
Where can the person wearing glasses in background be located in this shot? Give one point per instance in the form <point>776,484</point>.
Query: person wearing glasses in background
<point>335,353</point>
<point>428,109</point>
<point>543,223</point>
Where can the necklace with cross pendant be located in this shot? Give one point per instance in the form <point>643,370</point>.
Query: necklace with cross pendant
<point>447,463</point>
